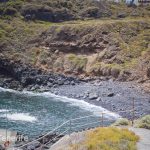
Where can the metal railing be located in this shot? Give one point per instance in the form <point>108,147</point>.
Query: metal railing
<point>74,125</point>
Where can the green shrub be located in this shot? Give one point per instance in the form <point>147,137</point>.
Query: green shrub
<point>17,4</point>
<point>121,122</point>
<point>77,62</point>
<point>144,122</point>
<point>10,11</point>
<point>91,12</point>
<point>1,10</point>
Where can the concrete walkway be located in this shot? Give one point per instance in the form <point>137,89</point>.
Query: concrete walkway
<point>68,140</point>
<point>144,134</point>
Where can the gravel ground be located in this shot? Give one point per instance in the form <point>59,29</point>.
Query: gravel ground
<point>114,96</point>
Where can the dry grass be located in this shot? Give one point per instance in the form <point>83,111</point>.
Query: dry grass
<point>108,139</point>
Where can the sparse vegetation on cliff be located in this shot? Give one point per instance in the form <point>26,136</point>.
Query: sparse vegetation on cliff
<point>94,40</point>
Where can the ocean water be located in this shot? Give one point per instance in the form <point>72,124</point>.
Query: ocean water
<point>34,114</point>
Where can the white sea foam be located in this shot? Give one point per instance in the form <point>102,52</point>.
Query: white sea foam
<point>7,90</point>
<point>96,110</point>
<point>3,110</point>
<point>20,117</point>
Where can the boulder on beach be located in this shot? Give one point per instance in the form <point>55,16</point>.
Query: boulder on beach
<point>93,96</point>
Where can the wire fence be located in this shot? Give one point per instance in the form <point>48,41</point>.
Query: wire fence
<point>73,125</point>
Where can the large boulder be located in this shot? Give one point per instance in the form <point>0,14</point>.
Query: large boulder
<point>110,94</point>
<point>122,15</point>
<point>93,96</point>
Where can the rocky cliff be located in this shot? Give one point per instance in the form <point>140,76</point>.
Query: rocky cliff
<point>106,48</point>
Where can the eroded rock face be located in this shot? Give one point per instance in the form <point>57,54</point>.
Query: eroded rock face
<point>95,50</point>
<point>115,72</point>
<point>98,51</point>
<point>148,72</point>
<point>25,75</point>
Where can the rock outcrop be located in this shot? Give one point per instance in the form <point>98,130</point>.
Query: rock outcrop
<point>20,75</point>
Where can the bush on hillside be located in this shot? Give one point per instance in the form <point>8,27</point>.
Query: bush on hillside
<point>37,12</point>
<point>62,15</point>
<point>10,11</point>
<point>144,122</point>
<point>91,12</point>
<point>46,13</point>
<point>1,11</point>
<point>121,122</point>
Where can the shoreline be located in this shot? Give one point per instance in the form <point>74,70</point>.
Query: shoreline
<point>116,97</point>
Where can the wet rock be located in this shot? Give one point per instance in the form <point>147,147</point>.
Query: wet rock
<point>43,89</point>
<point>55,86</point>
<point>38,81</point>
<point>93,96</point>
<point>99,99</point>
<point>33,88</point>
<point>45,147</point>
<point>26,75</point>
<point>85,96</point>
<point>60,82</point>
<point>110,94</point>
<point>49,84</point>
<point>77,96</point>
<point>66,83</point>
<point>56,92</point>
<point>72,83</point>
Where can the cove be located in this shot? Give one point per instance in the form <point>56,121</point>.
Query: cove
<point>34,114</point>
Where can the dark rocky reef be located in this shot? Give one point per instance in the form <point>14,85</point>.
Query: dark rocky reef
<point>17,75</point>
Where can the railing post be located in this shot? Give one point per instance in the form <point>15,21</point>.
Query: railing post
<point>133,109</point>
<point>43,141</point>
<point>69,126</point>
<point>102,117</point>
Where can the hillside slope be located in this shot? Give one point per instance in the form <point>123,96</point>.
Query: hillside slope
<point>102,48</point>
<point>106,48</point>
<point>62,10</point>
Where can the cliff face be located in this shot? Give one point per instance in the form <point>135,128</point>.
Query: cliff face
<point>118,49</point>
<point>110,47</point>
